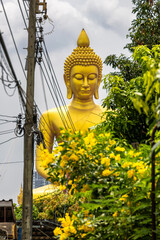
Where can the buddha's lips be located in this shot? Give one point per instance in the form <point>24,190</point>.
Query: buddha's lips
<point>85,91</point>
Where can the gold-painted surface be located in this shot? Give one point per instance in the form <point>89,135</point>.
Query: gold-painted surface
<point>83,40</point>
<point>82,75</point>
<point>44,191</point>
<point>20,196</point>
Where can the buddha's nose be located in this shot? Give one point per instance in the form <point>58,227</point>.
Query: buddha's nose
<point>85,83</point>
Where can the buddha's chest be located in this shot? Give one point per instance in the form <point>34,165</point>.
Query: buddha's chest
<point>85,120</point>
<point>81,120</point>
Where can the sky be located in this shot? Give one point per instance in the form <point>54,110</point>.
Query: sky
<point>106,23</point>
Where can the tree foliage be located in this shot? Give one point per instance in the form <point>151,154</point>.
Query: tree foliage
<point>145,29</point>
<point>121,85</point>
<point>148,100</point>
<point>121,117</point>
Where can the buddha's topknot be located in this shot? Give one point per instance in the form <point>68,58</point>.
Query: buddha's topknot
<point>83,55</point>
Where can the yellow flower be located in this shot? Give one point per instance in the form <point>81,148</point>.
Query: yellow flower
<point>126,164</point>
<point>57,231</point>
<point>64,160</point>
<point>101,154</point>
<point>120,149</point>
<point>62,187</point>
<point>57,149</point>
<point>115,214</point>
<point>118,157</point>
<point>66,229</point>
<point>86,212</point>
<point>106,172</point>
<point>62,131</point>
<point>107,135</point>
<point>90,140</point>
<point>116,174</point>
<point>70,182</point>
<point>131,153</point>
<point>105,161</point>
<point>73,187</point>
<point>83,235</point>
<point>124,197</point>
<point>73,144</point>
<point>111,155</point>
<point>112,142</point>
<point>64,236</point>
<point>74,217</point>
<point>81,151</point>
<point>137,154</point>
<point>66,221</point>
<point>46,158</point>
<point>62,164</point>
<point>61,173</point>
<point>101,135</point>
<point>74,157</point>
<point>134,178</point>
<point>73,230</point>
<point>107,148</point>
<point>131,173</point>
<point>142,171</point>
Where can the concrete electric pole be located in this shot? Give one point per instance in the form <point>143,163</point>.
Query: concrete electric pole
<point>29,135</point>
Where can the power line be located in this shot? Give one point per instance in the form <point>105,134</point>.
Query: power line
<point>7,132</point>
<point>7,140</point>
<point>13,38</point>
<point>22,13</point>
<point>7,121</point>
<point>20,90</point>
<point>55,87</point>
<point>2,115</point>
<point>11,162</point>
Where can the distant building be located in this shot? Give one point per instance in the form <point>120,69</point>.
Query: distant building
<point>38,181</point>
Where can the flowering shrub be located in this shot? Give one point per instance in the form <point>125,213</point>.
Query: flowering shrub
<point>75,227</point>
<point>53,205</point>
<point>110,180</point>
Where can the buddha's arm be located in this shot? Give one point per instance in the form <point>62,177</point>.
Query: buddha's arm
<point>45,127</point>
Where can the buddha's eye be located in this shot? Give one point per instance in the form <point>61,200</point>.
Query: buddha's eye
<point>92,76</point>
<point>78,76</point>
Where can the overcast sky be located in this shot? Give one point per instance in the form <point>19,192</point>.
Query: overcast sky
<point>106,23</point>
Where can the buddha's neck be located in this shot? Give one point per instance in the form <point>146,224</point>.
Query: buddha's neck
<point>82,104</point>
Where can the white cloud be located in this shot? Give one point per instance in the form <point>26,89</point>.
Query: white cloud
<point>109,14</point>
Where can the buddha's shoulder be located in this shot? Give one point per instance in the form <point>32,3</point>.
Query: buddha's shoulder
<point>53,113</point>
<point>100,109</point>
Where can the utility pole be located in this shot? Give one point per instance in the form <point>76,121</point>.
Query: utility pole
<point>29,137</point>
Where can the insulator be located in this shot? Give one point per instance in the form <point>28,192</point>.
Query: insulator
<point>45,16</point>
<point>41,39</point>
<point>40,20</point>
<point>41,29</point>
<point>40,49</point>
<point>40,59</point>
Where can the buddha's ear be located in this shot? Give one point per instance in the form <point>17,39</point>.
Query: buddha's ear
<point>96,93</point>
<point>69,90</point>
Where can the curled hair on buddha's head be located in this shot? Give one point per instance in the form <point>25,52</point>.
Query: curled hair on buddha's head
<point>83,55</point>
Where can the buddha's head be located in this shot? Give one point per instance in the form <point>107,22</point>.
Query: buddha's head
<point>83,70</point>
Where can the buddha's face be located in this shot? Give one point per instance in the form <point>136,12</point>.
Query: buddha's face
<point>84,81</point>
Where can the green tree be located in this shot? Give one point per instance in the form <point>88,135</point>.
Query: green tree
<point>145,29</point>
<point>126,121</point>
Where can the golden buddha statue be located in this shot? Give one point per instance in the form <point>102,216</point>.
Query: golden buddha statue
<point>82,76</point>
